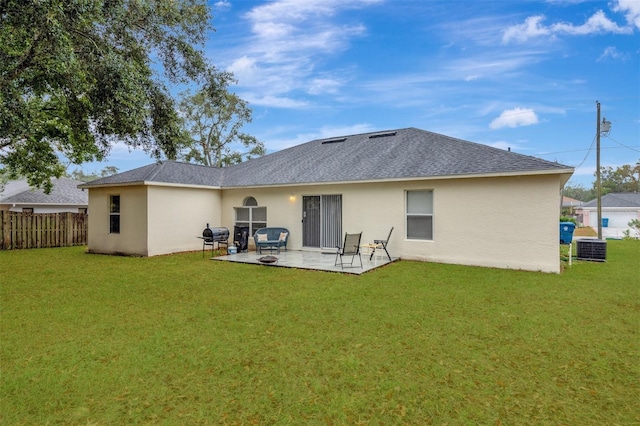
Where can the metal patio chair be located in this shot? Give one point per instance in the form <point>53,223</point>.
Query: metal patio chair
<point>351,247</point>
<point>382,244</point>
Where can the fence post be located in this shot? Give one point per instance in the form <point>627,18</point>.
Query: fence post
<point>68,235</point>
<point>6,229</point>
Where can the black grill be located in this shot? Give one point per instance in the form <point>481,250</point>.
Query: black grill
<point>210,236</point>
<point>216,235</point>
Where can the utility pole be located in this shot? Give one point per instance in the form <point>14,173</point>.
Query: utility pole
<point>606,127</point>
<point>598,183</point>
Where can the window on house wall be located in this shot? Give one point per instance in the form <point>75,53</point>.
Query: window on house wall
<point>419,215</point>
<point>114,214</point>
<point>27,210</point>
<point>251,216</point>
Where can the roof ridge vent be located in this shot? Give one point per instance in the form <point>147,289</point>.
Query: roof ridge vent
<point>337,140</point>
<point>382,135</point>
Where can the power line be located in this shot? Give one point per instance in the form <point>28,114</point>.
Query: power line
<point>623,145</point>
<point>582,150</point>
<point>587,154</point>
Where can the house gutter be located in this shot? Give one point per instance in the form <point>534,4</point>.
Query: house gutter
<point>613,209</point>
<point>148,183</point>
<point>568,172</point>
<point>26,203</point>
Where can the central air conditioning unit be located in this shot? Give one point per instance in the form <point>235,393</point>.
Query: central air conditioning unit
<point>591,249</point>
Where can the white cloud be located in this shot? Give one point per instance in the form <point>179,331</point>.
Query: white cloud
<point>533,27</point>
<point>530,28</point>
<point>631,9</point>
<point>598,23</point>
<point>273,101</point>
<point>244,68</point>
<point>222,5</point>
<point>319,86</point>
<point>515,117</point>
<point>287,39</point>
<point>611,52</point>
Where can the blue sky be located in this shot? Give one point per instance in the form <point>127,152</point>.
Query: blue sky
<point>518,74</point>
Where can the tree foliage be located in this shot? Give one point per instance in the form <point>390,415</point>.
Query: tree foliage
<point>625,178</point>
<point>214,117</point>
<point>81,175</point>
<point>78,75</point>
<point>579,192</point>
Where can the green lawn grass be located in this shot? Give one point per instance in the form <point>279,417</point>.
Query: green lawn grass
<point>90,339</point>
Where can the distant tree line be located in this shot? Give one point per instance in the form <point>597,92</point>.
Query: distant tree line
<point>625,178</point>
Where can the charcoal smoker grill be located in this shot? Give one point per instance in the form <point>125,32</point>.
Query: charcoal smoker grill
<point>210,236</point>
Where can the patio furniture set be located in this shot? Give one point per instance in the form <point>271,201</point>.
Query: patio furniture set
<point>274,238</point>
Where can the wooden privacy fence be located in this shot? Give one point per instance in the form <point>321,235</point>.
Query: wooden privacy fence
<point>36,230</point>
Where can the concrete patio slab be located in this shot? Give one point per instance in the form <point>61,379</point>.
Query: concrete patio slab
<point>319,261</point>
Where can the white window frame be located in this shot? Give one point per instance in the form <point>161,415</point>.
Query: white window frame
<point>254,215</point>
<point>420,211</point>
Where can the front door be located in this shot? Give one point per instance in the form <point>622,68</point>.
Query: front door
<point>322,221</point>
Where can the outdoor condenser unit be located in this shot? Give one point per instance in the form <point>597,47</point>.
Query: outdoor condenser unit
<point>591,249</point>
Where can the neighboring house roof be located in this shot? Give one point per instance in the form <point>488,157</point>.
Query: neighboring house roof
<point>65,191</point>
<point>570,202</point>
<point>618,199</point>
<point>390,155</point>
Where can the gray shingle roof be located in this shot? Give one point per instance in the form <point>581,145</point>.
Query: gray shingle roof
<point>397,154</point>
<point>406,153</point>
<point>65,191</point>
<point>165,172</point>
<point>618,199</point>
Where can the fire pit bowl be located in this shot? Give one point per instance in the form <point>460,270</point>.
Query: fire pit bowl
<point>267,259</point>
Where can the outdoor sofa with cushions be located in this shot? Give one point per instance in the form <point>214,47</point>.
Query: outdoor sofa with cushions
<point>271,238</point>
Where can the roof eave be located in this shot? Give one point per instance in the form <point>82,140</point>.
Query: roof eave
<point>26,203</point>
<point>594,208</point>
<point>148,183</point>
<point>182,185</point>
<point>566,173</point>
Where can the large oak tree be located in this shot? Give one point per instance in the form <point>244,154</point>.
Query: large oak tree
<point>77,75</point>
<point>214,117</point>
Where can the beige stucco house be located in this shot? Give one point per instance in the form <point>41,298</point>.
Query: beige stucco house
<point>449,200</point>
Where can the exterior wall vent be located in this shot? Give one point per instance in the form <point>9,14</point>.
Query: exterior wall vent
<point>334,140</point>
<point>382,135</point>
